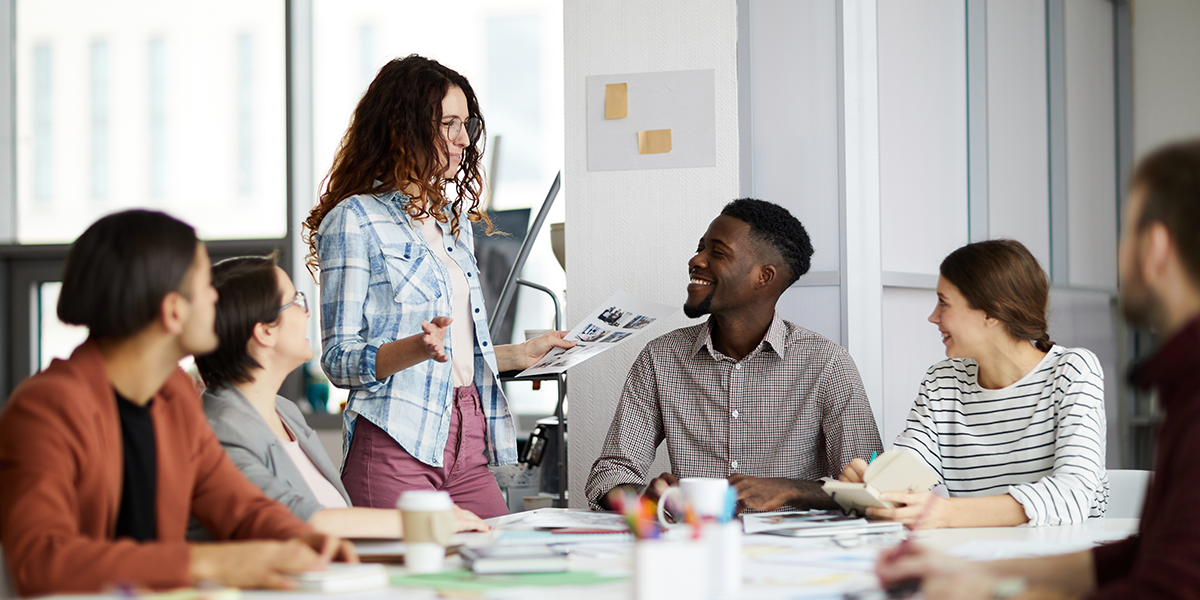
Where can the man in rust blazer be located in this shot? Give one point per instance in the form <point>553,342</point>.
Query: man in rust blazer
<point>106,455</point>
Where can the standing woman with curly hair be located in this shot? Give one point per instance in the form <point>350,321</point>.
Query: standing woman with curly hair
<point>403,322</point>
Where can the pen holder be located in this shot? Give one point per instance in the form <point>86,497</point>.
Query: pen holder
<point>670,569</point>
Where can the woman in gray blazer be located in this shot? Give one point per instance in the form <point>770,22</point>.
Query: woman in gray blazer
<point>262,323</point>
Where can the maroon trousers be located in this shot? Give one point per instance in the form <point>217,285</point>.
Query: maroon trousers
<point>378,469</point>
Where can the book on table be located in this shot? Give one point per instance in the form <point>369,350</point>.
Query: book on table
<point>896,470</point>
<point>514,559</point>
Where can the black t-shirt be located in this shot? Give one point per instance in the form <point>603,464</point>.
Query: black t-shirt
<point>137,515</point>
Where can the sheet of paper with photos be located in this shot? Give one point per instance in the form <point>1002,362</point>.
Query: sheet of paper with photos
<point>622,317</point>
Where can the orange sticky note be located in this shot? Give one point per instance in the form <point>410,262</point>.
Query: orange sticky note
<point>616,100</point>
<point>654,141</point>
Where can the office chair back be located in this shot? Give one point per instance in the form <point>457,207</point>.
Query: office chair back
<point>1126,493</point>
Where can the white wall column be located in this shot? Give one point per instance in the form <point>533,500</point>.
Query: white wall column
<point>636,230</point>
<point>862,286</point>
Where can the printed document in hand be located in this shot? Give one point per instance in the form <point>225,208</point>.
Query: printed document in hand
<point>897,470</point>
<point>616,320</point>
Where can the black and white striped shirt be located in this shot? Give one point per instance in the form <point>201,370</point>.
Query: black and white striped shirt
<point>1041,439</point>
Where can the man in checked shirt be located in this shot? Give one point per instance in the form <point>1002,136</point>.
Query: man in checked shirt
<point>745,395</point>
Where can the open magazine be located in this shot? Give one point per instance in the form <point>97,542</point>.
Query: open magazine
<point>614,322</point>
<point>815,523</point>
<point>805,519</point>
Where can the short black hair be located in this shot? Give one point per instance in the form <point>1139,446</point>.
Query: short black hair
<point>775,226</point>
<point>118,271</point>
<point>249,294</point>
<point>1169,180</point>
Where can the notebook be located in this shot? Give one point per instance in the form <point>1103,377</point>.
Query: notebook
<point>897,470</point>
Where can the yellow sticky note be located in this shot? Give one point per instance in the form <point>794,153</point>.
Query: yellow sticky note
<point>616,100</point>
<point>654,141</point>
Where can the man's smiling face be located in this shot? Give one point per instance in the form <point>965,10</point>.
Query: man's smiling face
<point>723,269</point>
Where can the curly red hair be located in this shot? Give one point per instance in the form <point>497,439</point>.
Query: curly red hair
<point>394,142</point>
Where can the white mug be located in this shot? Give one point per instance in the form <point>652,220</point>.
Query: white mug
<point>705,495</point>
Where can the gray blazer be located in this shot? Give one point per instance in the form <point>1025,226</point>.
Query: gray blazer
<point>259,454</point>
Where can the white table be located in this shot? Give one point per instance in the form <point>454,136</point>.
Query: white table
<point>1094,530</point>
<point>778,567</point>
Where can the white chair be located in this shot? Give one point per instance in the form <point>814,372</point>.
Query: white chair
<point>1126,492</point>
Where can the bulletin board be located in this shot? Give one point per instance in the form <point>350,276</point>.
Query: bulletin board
<point>659,120</point>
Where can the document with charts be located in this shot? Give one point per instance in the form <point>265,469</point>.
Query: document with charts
<point>615,321</point>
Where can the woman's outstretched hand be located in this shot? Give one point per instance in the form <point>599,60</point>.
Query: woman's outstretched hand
<point>434,338</point>
<point>523,356</point>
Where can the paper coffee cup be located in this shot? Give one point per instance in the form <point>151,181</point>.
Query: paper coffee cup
<point>428,526</point>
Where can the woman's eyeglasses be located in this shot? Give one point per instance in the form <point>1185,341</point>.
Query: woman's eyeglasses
<point>454,127</point>
<point>300,301</point>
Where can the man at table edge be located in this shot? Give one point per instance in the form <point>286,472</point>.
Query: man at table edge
<point>1160,288</point>
<point>104,456</point>
<point>745,395</point>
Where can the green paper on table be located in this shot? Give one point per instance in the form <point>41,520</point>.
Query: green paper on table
<point>451,581</point>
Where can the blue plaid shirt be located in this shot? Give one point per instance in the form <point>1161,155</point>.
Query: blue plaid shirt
<point>379,280</point>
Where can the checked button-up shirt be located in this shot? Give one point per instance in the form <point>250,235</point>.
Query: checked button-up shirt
<point>794,407</point>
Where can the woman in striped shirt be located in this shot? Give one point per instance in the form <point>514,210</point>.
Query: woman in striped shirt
<point>1011,423</point>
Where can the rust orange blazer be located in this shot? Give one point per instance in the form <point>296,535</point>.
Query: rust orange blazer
<point>61,463</point>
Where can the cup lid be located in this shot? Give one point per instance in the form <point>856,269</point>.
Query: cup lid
<point>425,500</point>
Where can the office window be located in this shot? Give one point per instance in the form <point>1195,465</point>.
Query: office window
<point>99,97</point>
<point>366,54</point>
<point>54,339</point>
<point>245,113</point>
<point>514,108</point>
<point>42,119</point>
<point>158,118</point>
<point>173,105</point>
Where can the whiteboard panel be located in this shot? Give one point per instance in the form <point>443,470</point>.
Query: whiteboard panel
<point>1088,319</point>
<point>682,101</point>
<point>1166,88</point>
<point>818,308</point>
<point>794,129</point>
<point>922,132</point>
<point>1018,157</point>
<point>1091,145</point>
<point>911,344</point>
